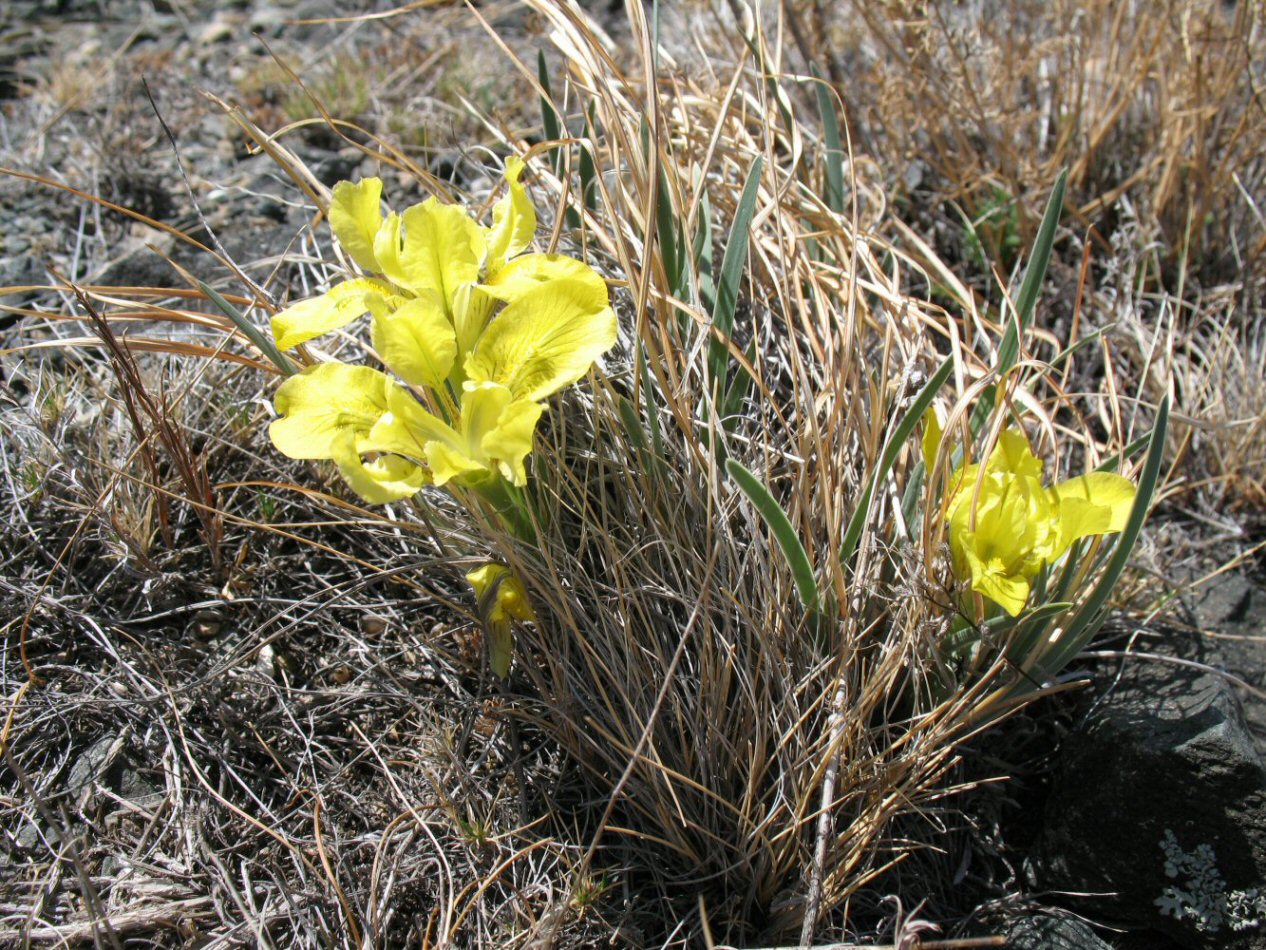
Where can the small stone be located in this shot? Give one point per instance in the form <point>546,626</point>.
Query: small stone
<point>220,29</point>
<point>91,767</point>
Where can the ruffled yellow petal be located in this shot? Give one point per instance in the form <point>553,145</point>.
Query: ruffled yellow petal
<point>471,310</point>
<point>311,318</point>
<point>990,578</point>
<point>442,249</point>
<point>321,404</point>
<point>355,218</point>
<point>526,273</point>
<point>495,440</point>
<point>500,594</point>
<point>406,428</point>
<point>1014,456</point>
<point>509,441</point>
<point>387,248</point>
<point>386,479</point>
<point>545,340</point>
<point>416,340</point>
<point>1097,503</point>
<point>513,221</point>
<point>448,463</point>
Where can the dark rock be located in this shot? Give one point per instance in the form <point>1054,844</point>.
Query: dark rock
<point>1234,607</point>
<point>91,767</point>
<point>1052,933</point>
<point>26,270</point>
<point>1159,809</point>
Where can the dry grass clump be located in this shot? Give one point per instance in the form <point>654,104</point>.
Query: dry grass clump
<point>246,708</point>
<point>1154,108</point>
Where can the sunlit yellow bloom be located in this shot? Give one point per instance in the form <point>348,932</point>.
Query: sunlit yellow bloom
<point>1016,527</point>
<point>500,598</point>
<point>545,340</point>
<point>493,438</point>
<point>328,412</point>
<point>513,221</point>
<point>457,309</point>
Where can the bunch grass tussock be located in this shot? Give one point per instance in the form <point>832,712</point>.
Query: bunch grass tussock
<point>1150,107</point>
<point>247,707</point>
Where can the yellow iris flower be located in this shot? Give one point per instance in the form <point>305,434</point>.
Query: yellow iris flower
<point>1005,527</point>
<point>435,280</point>
<point>500,598</point>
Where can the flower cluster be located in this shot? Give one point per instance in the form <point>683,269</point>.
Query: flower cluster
<point>1005,527</point>
<point>469,378</point>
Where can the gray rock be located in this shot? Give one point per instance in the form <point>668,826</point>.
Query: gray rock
<point>1051,933</point>
<point>91,767</point>
<point>1159,806</point>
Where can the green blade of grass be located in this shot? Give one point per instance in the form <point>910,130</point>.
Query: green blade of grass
<point>1034,274</point>
<point>833,152</point>
<point>549,115</point>
<point>740,386</point>
<point>588,168</point>
<point>1087,620</point>
<point>784,534</point>
<point>732,266</point>
<point>552,123</point>
<point>900,435</point>
<point>1113,462</point>
<point>669,231</point>
<point>262,343</point>
<point>702,250</point>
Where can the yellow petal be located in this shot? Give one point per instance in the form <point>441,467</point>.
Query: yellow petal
<point>526,273</point>
<point>321,404</point>
<point>1097,503</point>
<point>513,220</point>
<point>499,429</point>
<point>416,340</point>
<point>499,593</point>
<point>406,428</point>
<point>471,309</point>
<point>442,249</point>
<point>310,318</point>
<point>1014,455</point>
<point>509,442</point>
<point>931,439</point>
<point>355,218</point>
<point>989,578</point>
<point>545,340</point>
<point>999,555</point>
<point>499,597</point>
<point>387,247</point>
<point>512,600</point>
<point>448,463</point>
<point>386,479</point>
